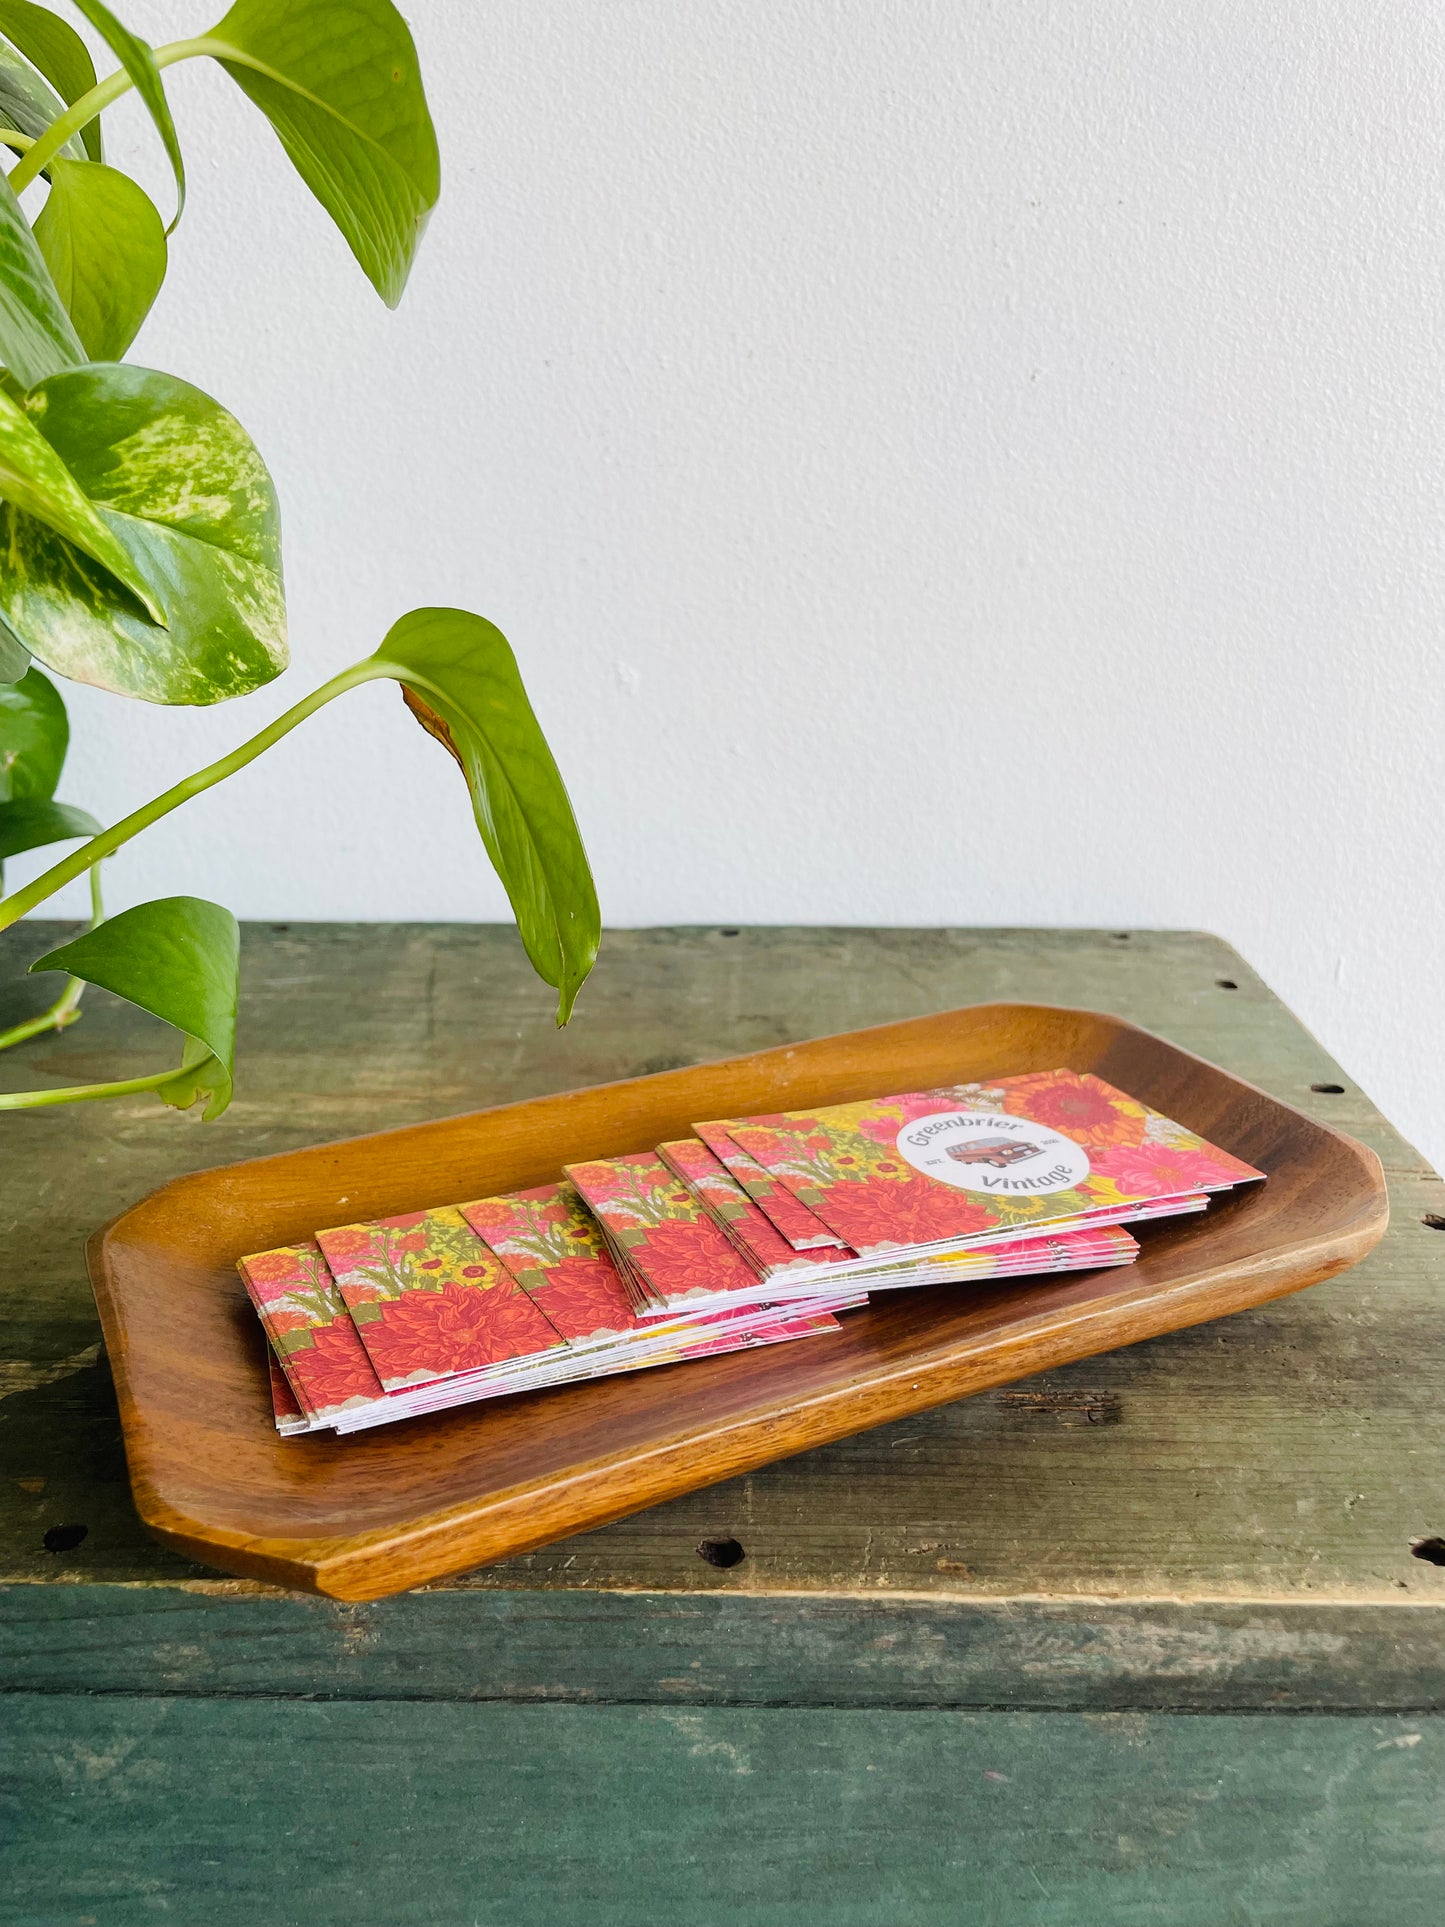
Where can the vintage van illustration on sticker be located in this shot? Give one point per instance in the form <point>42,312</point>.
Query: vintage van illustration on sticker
<point>997,1151</point>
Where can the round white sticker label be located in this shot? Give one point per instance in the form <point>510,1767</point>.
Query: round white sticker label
<point>991,1151</point>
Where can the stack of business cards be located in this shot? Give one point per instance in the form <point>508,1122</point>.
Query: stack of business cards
<point>926,1177</point>
<point>755,1231</point>
<point>416,1314</point>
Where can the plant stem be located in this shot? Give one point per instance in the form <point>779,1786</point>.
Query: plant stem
<point>79,861</point>
<point>62,1012</point>
<point>78,1093</point>
<point>12,137</point>
<point>83,111</point>
<point>66,1008</point>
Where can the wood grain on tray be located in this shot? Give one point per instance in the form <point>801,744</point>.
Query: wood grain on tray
<point>362,1517</point>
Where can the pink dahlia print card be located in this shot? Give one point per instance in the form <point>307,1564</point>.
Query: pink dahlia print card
<point>310,1331</point>
<point>789,1217</point>
<point>553,1247</point>
<point>285,1407</point>
<point>751,1230</point>
<point>663,1233</point>
<point>980,1163</point>
<point>430,1300</point>
<point>803,1274</point>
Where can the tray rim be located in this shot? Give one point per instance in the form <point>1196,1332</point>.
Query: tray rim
<point>347,1566</point>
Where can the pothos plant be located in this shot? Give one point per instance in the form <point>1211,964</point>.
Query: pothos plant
<point>140,543</point>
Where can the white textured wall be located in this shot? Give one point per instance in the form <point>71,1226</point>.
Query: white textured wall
<point>847,407</point>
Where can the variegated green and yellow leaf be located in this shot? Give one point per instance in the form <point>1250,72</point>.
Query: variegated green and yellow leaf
<point>35,481</point>
<point>180,485</point>
<point>36,335</point>
<point>14,658</point>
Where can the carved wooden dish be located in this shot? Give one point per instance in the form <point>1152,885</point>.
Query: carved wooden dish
<point>361,1517</point>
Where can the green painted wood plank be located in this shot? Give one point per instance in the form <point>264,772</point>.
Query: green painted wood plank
<point>124,1811</point>
<point>1288,1455</point>
<point>687,1649</point>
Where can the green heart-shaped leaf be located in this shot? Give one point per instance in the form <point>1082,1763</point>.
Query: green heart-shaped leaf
<point>26,103</point>
<point>140,63</point>
<point>461,679</point>
<point>180,485</point>
<point>178,958</point>
<point>36,481</point>
<point>340,83</point>
<point>34,736</point>
<point>36,335</point>
<point>31,825</point>
<point>105,246</point>
<point>53,45</point>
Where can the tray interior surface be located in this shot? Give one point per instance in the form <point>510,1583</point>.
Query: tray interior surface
<point>360,1517</point>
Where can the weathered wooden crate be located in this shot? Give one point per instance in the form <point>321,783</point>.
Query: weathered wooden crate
<point>1003,1661</point>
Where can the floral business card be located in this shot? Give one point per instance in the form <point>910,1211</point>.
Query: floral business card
<point>663,1231</point>
<point>981,1161</point>
<point>745,1222</point>
<point>789,1216</point>
<point>310,1330</point>
<point>552,1245</point>
<point>430,1300</point>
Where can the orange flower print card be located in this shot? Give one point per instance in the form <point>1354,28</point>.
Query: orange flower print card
<point>750,1229</point>
<point>552,1245</point>
<point>791,1218</point>
<point>430,1300</point>
<point>981,1163</point>
<point>310,1331</point>
<point>662,1231</point>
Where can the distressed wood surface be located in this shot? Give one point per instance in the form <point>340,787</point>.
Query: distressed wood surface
<point>1279,1464</point>
<point>559,1816</point>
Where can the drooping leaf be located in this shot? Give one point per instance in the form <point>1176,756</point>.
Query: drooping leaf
<point>31,825</point>
<point>140,63</point>
<point>34,736</point>
<point>53,45</point>
<point>26,103</point>
<point>36,335</point>
<point>38,487</point>
<point>178,958</point>
<point>340,83</point>
<point>179,483</point>
<point>105,246</point>
<point>461,680</point>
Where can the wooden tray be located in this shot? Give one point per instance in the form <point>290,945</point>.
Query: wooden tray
<point>361,1517</point>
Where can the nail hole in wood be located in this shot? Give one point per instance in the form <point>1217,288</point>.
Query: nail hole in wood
<point>1121,936</point>
<point>721,1552</point>
<point>1329,1090</point>
<point>64,1538</point>
<point>1226,983</point>
<point>1434,1220</point>
<point>728,933</point>
<point>1432,1551</point>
